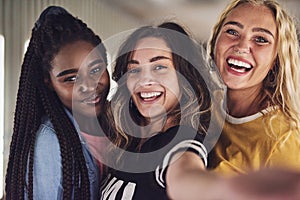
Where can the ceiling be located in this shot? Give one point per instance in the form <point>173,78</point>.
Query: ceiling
<point>197,15</point>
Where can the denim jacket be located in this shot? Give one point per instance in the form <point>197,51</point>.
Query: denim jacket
<point>47,169</point>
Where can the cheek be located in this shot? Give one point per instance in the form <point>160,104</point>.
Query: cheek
<point>219,52</point>
<point>223,49</point>
<point>104,78</point>
<point>172,86</point>
<point>64,93</point>
<point>217,60</point>
<point>223,43</point>
<point>130,85</point>
<point>264,62</point>
<point>66,96</point>
<point>264,58</point>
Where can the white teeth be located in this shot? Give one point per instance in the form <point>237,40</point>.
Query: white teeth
<point>150,94</point>
<point>239,70</point>
<point>239,63</point>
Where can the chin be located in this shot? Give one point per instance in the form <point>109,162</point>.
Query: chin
<point>89,113</point>
<point>154,114</point>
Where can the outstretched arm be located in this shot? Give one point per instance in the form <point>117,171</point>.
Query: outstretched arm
<point>187,179</point>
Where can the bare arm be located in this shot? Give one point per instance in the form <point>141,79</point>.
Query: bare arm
<point>187,179</point>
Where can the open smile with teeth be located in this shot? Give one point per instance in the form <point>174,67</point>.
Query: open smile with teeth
<point>239,66</point>
<point>149,96</point>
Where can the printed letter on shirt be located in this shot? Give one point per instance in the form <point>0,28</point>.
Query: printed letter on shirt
<point>113,187</point>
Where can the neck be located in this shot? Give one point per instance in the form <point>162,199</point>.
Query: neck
<point>242,103</point>
<point>90,125</point>
<point>158,124</point>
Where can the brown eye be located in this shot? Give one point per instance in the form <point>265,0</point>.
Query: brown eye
<point>71,78</point>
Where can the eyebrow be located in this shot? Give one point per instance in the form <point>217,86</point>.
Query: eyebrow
<point>70,71</point>
<point>156,58</point>
<point>98,61</point>
<point>159,58</point>
<point>254,29</point>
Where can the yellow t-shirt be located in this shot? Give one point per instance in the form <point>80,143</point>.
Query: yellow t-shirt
<point>248,144</point>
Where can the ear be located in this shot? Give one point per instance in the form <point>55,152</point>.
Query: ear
<point>48,82</point>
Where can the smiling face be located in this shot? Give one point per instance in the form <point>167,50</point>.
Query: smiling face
<point>152,79</point>
<point>245,49</point>
<point>80,79</point>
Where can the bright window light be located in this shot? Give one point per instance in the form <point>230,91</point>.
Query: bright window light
<point>25,46</point>
<point>1,112</point>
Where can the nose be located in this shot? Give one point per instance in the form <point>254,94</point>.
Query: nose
<point>146,78</point>
<point>87,85</point>
<point>242,47</point>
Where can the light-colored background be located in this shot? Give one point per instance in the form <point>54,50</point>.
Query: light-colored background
<point>106,18</point>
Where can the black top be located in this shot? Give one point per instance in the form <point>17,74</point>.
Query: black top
<point>142,175</point>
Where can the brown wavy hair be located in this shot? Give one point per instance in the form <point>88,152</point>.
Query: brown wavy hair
<point>195,102</point>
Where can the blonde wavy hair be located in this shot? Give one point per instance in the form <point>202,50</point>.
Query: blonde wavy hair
<point>285,92</point>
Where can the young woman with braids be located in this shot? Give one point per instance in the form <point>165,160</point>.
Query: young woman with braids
<point>63,75</point>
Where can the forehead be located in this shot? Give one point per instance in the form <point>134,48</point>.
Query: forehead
<point>150,46</point>
<point>253,15</point>
<point>74,54</point>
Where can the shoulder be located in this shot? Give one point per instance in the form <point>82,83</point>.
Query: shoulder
<point>46,131</point>
<point>46,140</point>
<point>186,140</point>
<point>283,152</point>
<point>181,133</point>
<point>46,125</point>
<point>172,137</point>
<point>47,167</point>
<point>280,125</point>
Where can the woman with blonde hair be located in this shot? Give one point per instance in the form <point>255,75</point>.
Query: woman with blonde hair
<point>254,45</point>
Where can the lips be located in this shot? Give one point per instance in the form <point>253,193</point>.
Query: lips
<point>149,96</point>
<point>93,99</point>
<point>239,66</point>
